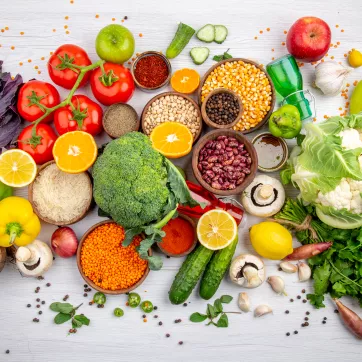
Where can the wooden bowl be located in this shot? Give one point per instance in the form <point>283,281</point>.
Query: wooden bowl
<point>248,146</point>
<point>90,282</point>
<point>111,108</point>
<point>192,222</point>
<point>46,219</point>
<point>164,94</point>
<point>273,95</point>
<point>152,89</point>
<point>212,124</point>
<point>2,258</point>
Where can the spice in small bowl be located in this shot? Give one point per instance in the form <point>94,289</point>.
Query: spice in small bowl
<point>180,237</point>
<point>222,108</point>
<point>272,151</point>
<point>151,71</point>
<point>120,119</point>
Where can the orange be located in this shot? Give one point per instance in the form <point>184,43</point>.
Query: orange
<point>185,80</point>
<point>172,139</point>
<point>75,152</point>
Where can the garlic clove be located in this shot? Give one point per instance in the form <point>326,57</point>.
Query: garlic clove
<point>277,284</point>
<point>304,271</point>
<point>288,267</point>
<point>261,310</point>
<point>244,302</point>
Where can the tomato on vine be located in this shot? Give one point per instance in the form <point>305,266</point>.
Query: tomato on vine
<point>34,98</point>
<point>81,114</point>
<point>112,83</point>
<point>65,64</point>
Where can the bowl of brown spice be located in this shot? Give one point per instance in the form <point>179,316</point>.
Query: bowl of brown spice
<point>151,71</point>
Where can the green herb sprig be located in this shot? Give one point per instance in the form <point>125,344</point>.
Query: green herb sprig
<point>215,311</point>
<point>67,312</point>
<point>223,56</point>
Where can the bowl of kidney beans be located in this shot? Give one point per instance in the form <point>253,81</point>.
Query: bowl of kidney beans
<point>224,162</point>
<point>222,109</point>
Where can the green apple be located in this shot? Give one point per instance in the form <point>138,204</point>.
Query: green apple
<point>115,44</point>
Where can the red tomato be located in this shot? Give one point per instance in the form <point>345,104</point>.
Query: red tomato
<point>40,149</point>
<point>34,92</point>
<point>87,116</point>
<point>115,86</point>
<point>60,65</point>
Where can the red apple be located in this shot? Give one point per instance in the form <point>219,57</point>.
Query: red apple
<point>309,39</point>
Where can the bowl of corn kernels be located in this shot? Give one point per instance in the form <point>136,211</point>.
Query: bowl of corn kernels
<point>250,82</point>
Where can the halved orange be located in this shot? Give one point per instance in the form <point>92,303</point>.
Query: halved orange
<point>185,80</point>
<point>75,152</point>
<point>172,139</point>
<point>216,229</point>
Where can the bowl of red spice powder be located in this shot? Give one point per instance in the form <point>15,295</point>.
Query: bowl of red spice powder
<point>151,71</point>
<point>181,237</point>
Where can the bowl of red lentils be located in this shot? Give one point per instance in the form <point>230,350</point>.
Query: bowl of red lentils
<point>108,266</point>
<point>151,71</point>
<point>250,82</point>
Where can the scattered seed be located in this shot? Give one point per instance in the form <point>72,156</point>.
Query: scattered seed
<point>140,35</point>
<point>306,324</point>
<point>38,299</point>
<point>66,17</point>
<point>38,306</point>
<point>144,316</point>
<point>22,33</point>
<point>97,16</point>
<point>145,320</point>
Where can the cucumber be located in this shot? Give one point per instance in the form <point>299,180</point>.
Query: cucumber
<point>189,274</point>
<point>183,35</point>
<point>199,54</point>
<point>216,270</point>
<point>206,33</point>
<point>221,33</point>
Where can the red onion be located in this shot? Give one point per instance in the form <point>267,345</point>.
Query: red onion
<point>64,242</point>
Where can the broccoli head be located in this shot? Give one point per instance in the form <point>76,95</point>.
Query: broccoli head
<point>130,181</point>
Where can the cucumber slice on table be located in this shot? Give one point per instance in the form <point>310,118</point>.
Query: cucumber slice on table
<point>221,33</point>
<point>199,54</point>
<point>183,35</point>
<point>206,33</point>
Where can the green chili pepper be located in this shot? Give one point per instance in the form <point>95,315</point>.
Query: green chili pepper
<point>118,312</point>
<point>134,300</point>
<point>285,122</point>
<point>147,306</point>
<point>356,99</point>
<point>99,298</point>
<point>5,191</point>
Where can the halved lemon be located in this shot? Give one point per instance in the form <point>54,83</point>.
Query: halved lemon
<point>216,229</point>
<point>172,139</point>
<point>17,168</point>
<point>75,152</point>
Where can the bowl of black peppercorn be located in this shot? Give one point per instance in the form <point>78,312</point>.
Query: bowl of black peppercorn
<point>222,109</point>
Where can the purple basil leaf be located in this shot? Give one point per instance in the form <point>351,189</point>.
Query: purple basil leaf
<point>10,132</point>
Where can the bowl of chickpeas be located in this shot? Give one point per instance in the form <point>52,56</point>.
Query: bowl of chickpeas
<point>250,82</point>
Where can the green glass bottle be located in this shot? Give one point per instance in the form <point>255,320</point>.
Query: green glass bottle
<point>288,82</point>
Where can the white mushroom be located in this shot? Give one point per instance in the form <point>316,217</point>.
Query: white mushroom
<point>34,259</point>
<point>264,197</point>
<point>247,270</point>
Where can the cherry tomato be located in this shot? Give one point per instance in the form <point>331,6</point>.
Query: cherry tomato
<point>114,86</point>
<point>62,65</point>
<point>86,116</point>
<point>33,97</point>
<point>41,147</point>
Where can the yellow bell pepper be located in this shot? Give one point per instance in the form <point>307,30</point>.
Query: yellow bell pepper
<point>18,223</point>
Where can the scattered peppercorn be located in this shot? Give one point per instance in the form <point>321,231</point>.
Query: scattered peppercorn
<point>160,323</point>
<point>40,312</point>
<point>280,269</point>
<point>295,332</point>
<point>90,303</point>
<point>36,320</point>
<point>40,278</point>
<point>28,305</point>
<point>287,312</point>
<point>336,311</point>
<point>299,297</point>
<point>38,299</point>
<point>306,324</point>
<point>287,334</point>
<point>7,351</point>
<point>304,300</point>
<point>180,342</point>
<point>155,307</point>
<point>325,318</point>
<point>48,284</point>
<point>303,290</point>
<point>144,316</point>
<point>155,316</point>
<point>99,306</point>
<point>167,335</point>
<point>306,319</point>
<point>185,304</point>
<point>38,306</point>
<point>307,313</point>
<point>85,295</point>
<point>85,285</point>
<point>125,18</point>
<point>324,322</point>
<point>292,300</point>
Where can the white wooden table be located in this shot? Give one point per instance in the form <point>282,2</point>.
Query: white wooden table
<point>129,338</point>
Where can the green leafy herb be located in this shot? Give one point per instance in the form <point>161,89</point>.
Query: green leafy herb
<point>66,313</point>
<point>223,56</point>
<point>215,311</point>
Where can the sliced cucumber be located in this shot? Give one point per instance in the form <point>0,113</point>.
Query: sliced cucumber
<point>199,54</point>
<point>206,33</point>
<point>221,33</point>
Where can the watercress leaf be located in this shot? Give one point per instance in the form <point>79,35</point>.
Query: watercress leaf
<point>55,307</point>
<point>76,323</point>
<point>211,312</point>
<point>217,58</point>
<point>197,317</point>
<point>223,321</point>
<point>346,254</point>
<point>335,277</point>
<point>82,319</point>
<point>61,318</point>
<point>130,234</point>
<point>321,278</point>
<point>155,262</point>
<point>316,300</point>
<point>65,308</point>
<point>226,299</point>
<point>227,55</point>
<point>218,306</point>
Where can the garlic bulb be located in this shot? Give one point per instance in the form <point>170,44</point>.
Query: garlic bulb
<point>331,77</point>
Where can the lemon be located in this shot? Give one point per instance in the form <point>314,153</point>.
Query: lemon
<point>216,229</point>
<point>355,58</point>
<point>17,168</point>
<point>271,240</point>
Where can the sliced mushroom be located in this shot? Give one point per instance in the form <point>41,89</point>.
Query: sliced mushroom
<point>264,197</point>
<point>247,270</point>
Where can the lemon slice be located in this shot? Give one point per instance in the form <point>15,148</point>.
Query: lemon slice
<point>216,229</point>
<point>17,168</point>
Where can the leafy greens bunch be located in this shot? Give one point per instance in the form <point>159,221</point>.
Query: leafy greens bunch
<point>139,189</point>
